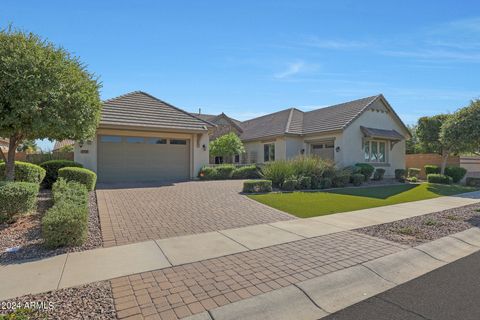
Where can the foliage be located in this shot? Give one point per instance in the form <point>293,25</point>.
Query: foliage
<point>225,171</point>
<point>366,169</point>
<point>17,198</point>
<point>208,173</point>
<point>400,174</point>
<point>28,146</point>
<point>413,172</point>
<point>439,178</point>
<point>290,184</point>
<point>473,182</point>
<point>326,183</point>
<point>25,172</point>
<point>378,174</point>
<point>24,314</point>
<point>304,182</point>
<point>45,92</point>
<point>84,176</point>
<point>246,172</point>
<point>358,179</point>
<point>39,158</point>
<point>412,145</point>
<point>257,186</point>
<point>278,171</point>
<point>412,179</point>
<point>226,145</point>
<point>66,223</point>
<point>51,167</point>
<point>431,168</point>
<point>428,133</point>
<point>67,149</point>
<point>457,173</point>
<point>341,178</point>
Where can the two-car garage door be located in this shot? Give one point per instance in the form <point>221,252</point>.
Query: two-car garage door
<point>137,159</point>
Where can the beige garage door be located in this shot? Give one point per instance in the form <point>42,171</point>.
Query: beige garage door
<point>135,159</point>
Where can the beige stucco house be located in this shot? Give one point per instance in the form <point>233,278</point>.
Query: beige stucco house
<point>142,138</point>
<point>364,130</point>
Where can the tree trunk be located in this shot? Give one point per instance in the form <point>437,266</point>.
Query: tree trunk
<point>10,163</point>
<point>444,161</point>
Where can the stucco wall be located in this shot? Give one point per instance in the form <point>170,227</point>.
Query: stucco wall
<point>200,156</point>
<point>352,148</point>
<point>257,146</point>
<point>87,154</point>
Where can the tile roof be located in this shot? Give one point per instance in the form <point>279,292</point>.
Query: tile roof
<point>60,144</point>
<point>294,121</point>
<point>139,109</point>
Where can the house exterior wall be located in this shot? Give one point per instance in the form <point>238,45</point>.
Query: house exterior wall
<point>352,142</point>
<point>337,140</point>
<point>257,147</point>
<point>87,154</point>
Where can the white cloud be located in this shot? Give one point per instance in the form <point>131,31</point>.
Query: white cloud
<point>294,68</point>
<point>334,44</point>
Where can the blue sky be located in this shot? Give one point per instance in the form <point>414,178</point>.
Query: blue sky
<point>247,58</point>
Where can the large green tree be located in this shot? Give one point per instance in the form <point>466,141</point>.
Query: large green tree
<point>226,145</point>
<point>45,92</point>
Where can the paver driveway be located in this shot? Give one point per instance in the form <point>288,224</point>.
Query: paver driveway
<point>136,214</point>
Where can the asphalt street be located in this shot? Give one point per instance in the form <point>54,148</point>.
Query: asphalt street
<point>451,292</point>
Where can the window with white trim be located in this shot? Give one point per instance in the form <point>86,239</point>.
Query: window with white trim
<point>375,151</point>
<point>269,152</point>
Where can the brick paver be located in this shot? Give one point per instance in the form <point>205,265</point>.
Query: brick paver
<point>139,214</point>
<point>180,291</point>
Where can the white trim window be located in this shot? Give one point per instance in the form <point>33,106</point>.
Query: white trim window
<point>269,152</point>
<point>375,151</point>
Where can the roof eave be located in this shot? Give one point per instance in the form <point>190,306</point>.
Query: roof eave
<point>150,128</point>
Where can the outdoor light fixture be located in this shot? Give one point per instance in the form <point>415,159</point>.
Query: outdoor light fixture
<point>204,147</point>
<point>337,149</point>
<point>302,151</point>
<point>80,143</point>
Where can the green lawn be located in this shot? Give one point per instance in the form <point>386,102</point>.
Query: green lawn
<point>311,204</point>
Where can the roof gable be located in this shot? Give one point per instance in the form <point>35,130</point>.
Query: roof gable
<point>139,109</point>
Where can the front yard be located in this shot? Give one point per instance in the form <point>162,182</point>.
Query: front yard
<point>311,204</point>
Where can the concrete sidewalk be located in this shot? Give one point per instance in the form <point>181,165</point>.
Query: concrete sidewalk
<point>107,263</point>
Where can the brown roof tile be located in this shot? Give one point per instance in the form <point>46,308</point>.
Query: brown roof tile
<point>60,144</point>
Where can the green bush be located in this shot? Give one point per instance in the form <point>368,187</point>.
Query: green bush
<point>208,173</point>
<point>457,173</point>
<point>304,182</point>
<point>17,198</point>
<point>358,179</point>
<point>413,172</point>
<point>51,167</point>
<point>439,178</point>
<point>290,184</point>
<point>430,168</point>
<point>326,183</point>
<point>366,169</point>
<point>400,175</point>
<point>473,182</point>
<point>341,179</point>
<point>278,172</point>
<point>225,171</point>
<point>70,191</point>
<point>254,186</point>
<point>25,172</point>
<point>378,174</point>
<point>413,179</point>
<point>84,176</point>
<point>246,172</point>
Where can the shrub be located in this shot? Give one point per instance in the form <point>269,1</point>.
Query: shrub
<point>326,183</point>
<point>25,172</point>
<point>413,172</point>
<point>84,176</point>
<point>341,178</point>
<point>246,172</point>
<point>253,186</point>
<point>71,191</point>
<point>290,184</point>
<point>457,173</point>
<point>17,198</point>
<point>378,174</point>
<point>439,178</point>
<point>278,172</point>
<point>357,179</point>
<point>65,224</point>
<point>51,167</point>
<point>307,166</point>
<point>225,171</point>
<point>413,179</point>
<point>430,168</point>
<point>208,173</point>
<point>473,182</point>
<point>304,183</point>
<point>400,175</point>
<point>366,169</point>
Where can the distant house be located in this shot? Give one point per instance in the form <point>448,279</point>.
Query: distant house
<point>4,145</point>
<point>59,145</point>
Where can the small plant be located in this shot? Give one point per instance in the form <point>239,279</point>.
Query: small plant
<point>430,168</point>
<point>278,171</point>
<point>366,169</point>
<point>452,217</point>
<point>246,172</point>
<point>358,179</point>
<point>408,231</point>
<point>290,184</point>
<point>457,173</point>
<point>413,179</point>
<point>84,176</point>
<point>304,183</point>
<point>17,198</point>
<point>439,178</point>
<point>431,222</point>
<point>51,167</point>
<point>254,186</point>
<point>378,174</point>
<point>473,182</point>
<point>325,183</point>
<point>25,172</point>
<point>477,210</point>
<point>400,175</point>
<point>413,172</point>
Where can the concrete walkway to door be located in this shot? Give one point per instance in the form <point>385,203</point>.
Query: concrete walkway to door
<point>130,214</point>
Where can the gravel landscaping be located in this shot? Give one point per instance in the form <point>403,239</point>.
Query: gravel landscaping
<point>25,233</point>
<point>92,301</point>
<point>421,229</point>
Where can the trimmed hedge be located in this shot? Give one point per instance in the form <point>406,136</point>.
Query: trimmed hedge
<point>225,171</point>
<point>51,167</point>
<point>457,173</point>
<point>358,179</point>
<point>304,183</point>
<point>66,223</point>
<point>431,168</point>
<point>366,169</point>
<point>473,182</point>
<point>17,198</point>
<point>341,179</point>
<point>439,178</point>
<point>246,172</point>
<point>326,183</point>
<point>378,174</point>
<point>208,173</point>
<point>25,172</point>
<point>400,174</point>
<point>84,176</point>
<point>290,184</point>
<point>413,172</point>
<point>253,186</point>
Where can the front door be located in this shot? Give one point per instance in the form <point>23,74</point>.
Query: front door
<point>324,150</point>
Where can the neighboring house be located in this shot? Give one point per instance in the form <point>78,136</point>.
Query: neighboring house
<point>142,138</point>
<point>364,130</point>
<point>4,145</point>
<point>224,125</point>
<point>59,145</point>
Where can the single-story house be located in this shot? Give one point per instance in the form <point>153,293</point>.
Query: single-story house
<point>142,138</point>
<point>363,130</point>
<point>59,146</point>
<point>4,143</point>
